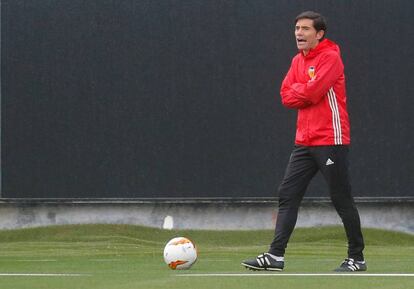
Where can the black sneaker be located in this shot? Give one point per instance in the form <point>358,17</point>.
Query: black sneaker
<point>350,265</point>
<point>264,262</point>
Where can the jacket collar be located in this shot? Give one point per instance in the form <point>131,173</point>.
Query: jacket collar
<point>324,45</point>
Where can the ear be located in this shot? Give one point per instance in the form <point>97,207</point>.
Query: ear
<point>320,34</point>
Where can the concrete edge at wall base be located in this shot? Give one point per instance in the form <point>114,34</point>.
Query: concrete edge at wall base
<point>397,216</point>
<point>185,200</point>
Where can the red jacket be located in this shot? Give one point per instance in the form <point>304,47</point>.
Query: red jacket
<point>315,85</point>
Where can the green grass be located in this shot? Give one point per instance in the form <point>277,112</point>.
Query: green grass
<point>126,257</point>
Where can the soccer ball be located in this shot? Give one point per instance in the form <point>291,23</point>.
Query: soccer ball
<point>180,253</point>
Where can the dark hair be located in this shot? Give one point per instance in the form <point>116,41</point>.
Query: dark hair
<point>319,22</point>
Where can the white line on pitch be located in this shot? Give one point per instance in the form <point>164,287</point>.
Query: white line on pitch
<point>299,274</point>
<point>105,260</point>
<point>44,260</point>
<point>44,274</point>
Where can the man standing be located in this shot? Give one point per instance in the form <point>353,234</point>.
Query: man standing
<point>315,86</point>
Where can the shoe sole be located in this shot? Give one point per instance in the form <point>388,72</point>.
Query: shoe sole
<point>259,268</point>
<point>347,270</point>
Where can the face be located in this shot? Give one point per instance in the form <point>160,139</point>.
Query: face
<point>306,35</point>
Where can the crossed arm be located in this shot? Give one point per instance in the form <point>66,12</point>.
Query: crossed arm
<point>298,95</point>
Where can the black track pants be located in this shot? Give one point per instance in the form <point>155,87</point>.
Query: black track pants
<point>304,163</point>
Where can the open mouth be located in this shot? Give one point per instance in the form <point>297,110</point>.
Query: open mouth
<point>301,40</point>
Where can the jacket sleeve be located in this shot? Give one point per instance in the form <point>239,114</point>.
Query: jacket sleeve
<point>311,92</point>
<point>291,99</point>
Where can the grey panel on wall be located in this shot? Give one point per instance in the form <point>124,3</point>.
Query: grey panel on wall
<point>167,98</point>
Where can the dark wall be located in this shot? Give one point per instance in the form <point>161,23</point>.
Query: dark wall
<point>163,98</point>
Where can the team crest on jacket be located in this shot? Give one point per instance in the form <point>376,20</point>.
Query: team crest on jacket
<point>311,72</point>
